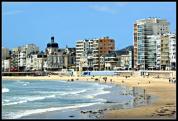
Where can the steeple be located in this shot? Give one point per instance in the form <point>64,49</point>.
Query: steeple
<point>52,39</point>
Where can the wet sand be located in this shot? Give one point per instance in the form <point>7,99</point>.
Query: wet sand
<point>163,107</point>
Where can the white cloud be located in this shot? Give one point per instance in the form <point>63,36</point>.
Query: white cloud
<point>12,12</point>
<point>121,3</point>
<point>103,8</point>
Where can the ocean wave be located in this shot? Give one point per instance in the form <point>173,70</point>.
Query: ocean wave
<point>62,92</point>
<point>5,90</point>
<point>25,83</point>
<point>99,92</point>
<point>38,111</point>
<point>29,99</point>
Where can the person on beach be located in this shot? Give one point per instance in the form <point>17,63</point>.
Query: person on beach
<point>169,80</point>
<point>158,76</point>
<point>105,79</point>
<point>111,80</point>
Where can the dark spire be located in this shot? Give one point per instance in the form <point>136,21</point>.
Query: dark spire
<point>52,39</point>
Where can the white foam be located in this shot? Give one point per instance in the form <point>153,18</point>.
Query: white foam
<point>37,111</point>
<point>25,83</point>
<point>101,92</point>
<point>29,99</point>
<point>62,92</point>
<point>5,90</point>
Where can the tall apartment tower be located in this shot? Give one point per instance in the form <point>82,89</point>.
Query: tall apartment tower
<point>142,29</point>
<point>90,52</point>
<point>172,50</point>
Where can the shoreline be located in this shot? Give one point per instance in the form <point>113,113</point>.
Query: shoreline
<point>163,107</point>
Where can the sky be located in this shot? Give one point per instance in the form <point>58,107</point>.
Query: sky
<point>35,22</point>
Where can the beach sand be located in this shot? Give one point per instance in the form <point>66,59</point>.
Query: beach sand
<point>163,107</point>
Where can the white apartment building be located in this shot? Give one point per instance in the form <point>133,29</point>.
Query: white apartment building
<point>25,52</point>
<point>162,48</point>
<point>172,50</point>
<point>82,48</point>
<point>6,65</point>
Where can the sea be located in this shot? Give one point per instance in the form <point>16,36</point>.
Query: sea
<point>27,98</point>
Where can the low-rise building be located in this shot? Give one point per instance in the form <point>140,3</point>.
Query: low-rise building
<point>6,65</point>
<point>5,53</point>
<point>14,60</point>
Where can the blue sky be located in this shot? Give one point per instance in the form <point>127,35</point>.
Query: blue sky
<point>35,22</point>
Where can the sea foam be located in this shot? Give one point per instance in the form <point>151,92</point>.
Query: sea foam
<point>29,99</point>
<point>5,90</point>
<point>37,111</point>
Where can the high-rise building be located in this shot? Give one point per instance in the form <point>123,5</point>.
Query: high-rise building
<point>102,46</point>
<point>172,50</point>
<point>142,29</point>
<point>162,51</point>
<point>91,51</point>
<point>165,60</point>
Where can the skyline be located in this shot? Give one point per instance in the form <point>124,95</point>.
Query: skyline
<point>72,21</point>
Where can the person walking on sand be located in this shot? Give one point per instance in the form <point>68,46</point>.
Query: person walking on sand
<point>111,80</point>
<point>169,80</point>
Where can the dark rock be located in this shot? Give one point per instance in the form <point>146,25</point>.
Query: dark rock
<point>109,102</point>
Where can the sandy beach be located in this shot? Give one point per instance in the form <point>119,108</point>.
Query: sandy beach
<point>163,107</point>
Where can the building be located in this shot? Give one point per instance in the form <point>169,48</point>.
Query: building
<point>109,61</point>
<point>125,58</point>
<point>38,61</point>
<point>14,60</point>
<point>29,62</point>
<point>54,56</point>
<point>24,52</point>
<point>91,51</point>
<point>69,56</point>
<point>22,60</point>
<point>142,29</point>
<point>172,50</point>
<point>83,47</point>
<point>154,52</point>
<point>102,46</point>
<point>165,60</point>
<point>5,53</point>
<point>6,65</point>
<point>162,51</point>
<point>52,47</point>
<point>117,60</point>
